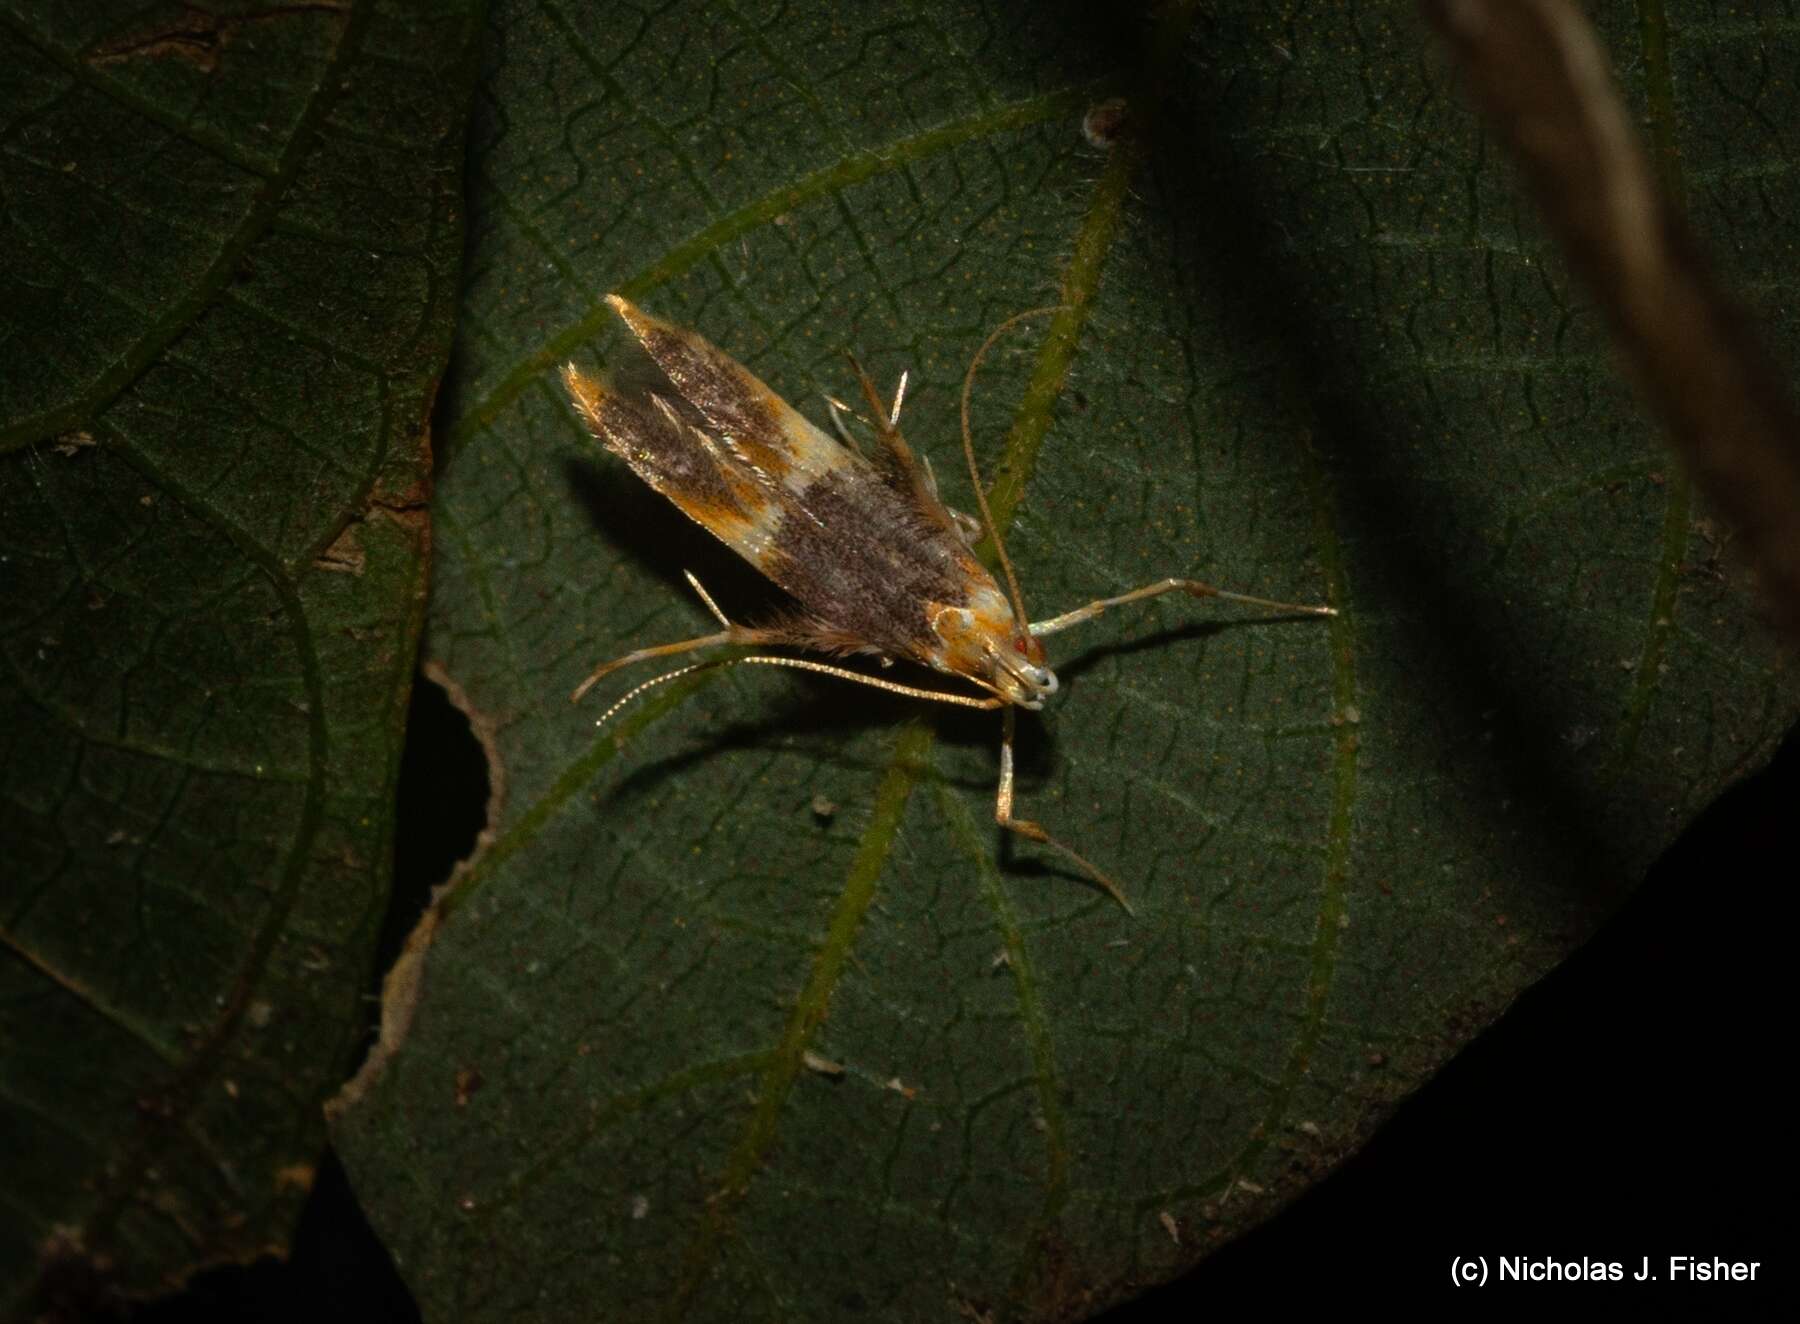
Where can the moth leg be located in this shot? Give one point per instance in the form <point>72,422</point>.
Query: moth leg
<point>1003,815</point>
<point>899,397</point>
<point>838,409</point>
<point>887,425</point>
<point>706,597</point>
<point>731,634</point>
<point>1192,587</point>
<point>967,526</point>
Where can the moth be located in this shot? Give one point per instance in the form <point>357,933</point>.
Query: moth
<point>874,560</point>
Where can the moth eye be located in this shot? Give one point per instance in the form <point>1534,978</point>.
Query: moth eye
<point>1021,644</point>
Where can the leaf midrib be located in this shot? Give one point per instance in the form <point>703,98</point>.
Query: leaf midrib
<point>1025,440</point>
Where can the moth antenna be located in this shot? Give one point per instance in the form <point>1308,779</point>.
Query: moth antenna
<point>731,634</point>
<point>987,514</point>
<point>798,664</point>
<point>899,396</point>
<point>844,673</point>
<point>651,684</point>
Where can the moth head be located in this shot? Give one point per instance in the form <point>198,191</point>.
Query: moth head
<point>985,642</point>
<point>1019,673</point>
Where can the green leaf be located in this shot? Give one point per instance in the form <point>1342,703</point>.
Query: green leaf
<point>232,240</point>
<point>745,1011</point>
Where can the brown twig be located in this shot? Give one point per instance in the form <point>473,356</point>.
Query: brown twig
<point>1540,79</point>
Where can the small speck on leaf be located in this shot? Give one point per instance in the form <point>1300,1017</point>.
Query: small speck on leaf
<point>1104,122</point>
<point>468,1081</point>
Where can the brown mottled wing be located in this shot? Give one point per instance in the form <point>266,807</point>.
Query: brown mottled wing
<point>678,460</point>
<point>809,513</point>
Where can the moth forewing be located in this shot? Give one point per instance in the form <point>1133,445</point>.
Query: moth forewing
<point>876,563</point>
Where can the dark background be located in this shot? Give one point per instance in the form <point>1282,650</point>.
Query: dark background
<point>1625,1106</point>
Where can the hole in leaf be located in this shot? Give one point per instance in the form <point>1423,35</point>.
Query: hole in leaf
<point>338,1270</point>
<point>440,808</point>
